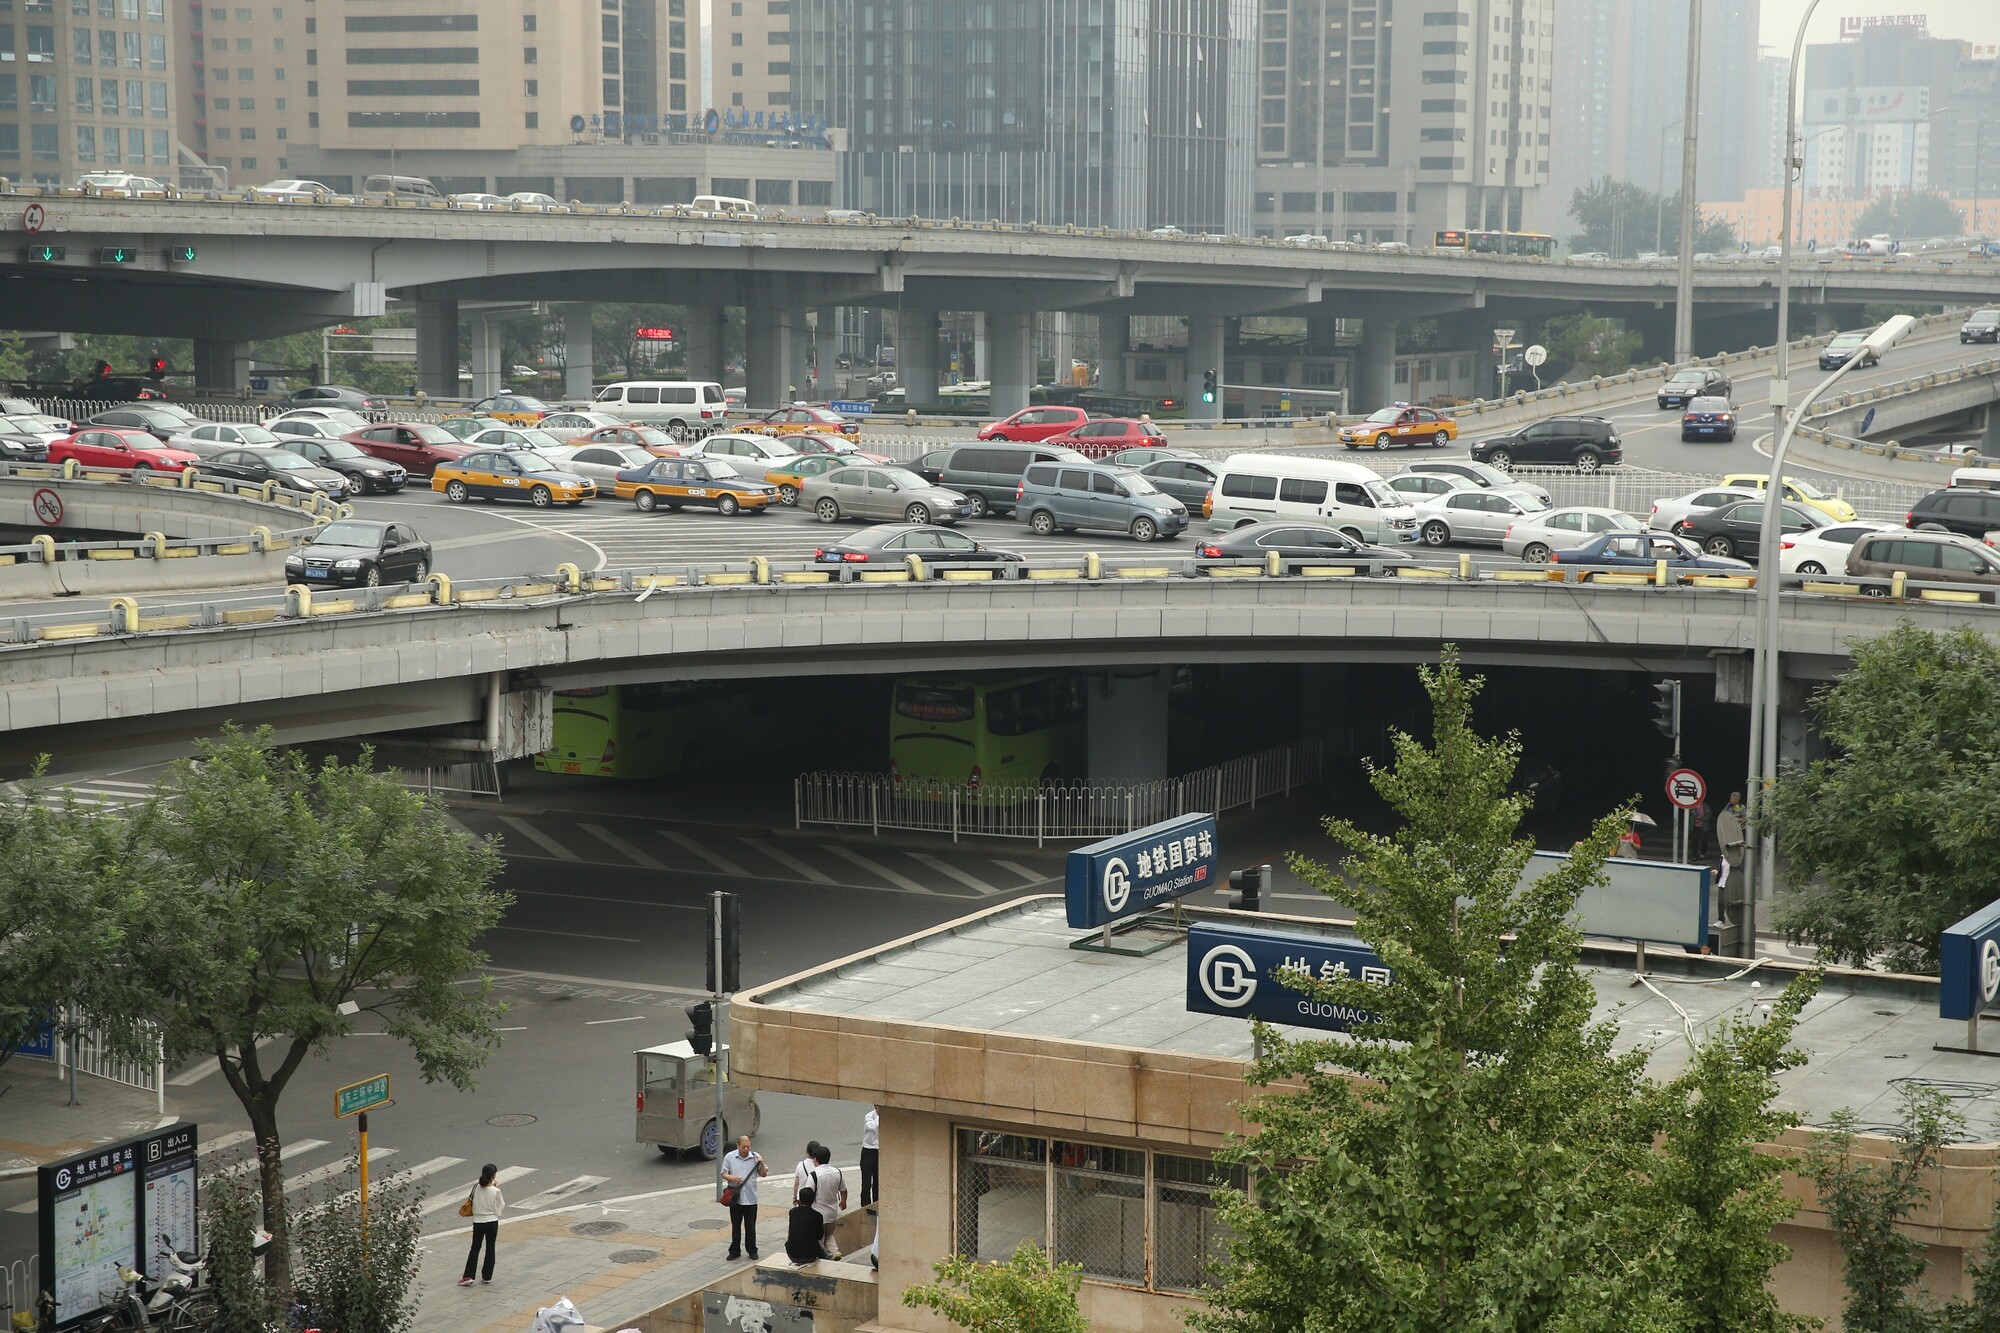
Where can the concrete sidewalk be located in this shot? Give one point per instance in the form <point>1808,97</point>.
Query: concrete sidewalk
<point>37,1123</point>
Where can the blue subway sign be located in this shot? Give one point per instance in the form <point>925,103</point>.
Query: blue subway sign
<point>1969,964</point>
<point>1139,871</point>
<point>1238,973</point>
<point>851,409</point>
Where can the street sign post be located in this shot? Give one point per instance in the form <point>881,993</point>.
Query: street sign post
<point>355,1099</point>
<point>1686,788</point>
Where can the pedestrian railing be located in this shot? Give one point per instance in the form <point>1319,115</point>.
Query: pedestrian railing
<point>877,801</point>
<point>88,1054</point>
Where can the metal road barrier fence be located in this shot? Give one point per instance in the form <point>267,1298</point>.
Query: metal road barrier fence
<point>876,801</point>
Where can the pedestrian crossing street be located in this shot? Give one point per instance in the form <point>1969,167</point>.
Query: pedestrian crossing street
<point>636,844</point>
<point>445,1180</point>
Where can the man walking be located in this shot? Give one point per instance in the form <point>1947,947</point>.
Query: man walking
<point>741,1170</point>
<point>871,1157</point>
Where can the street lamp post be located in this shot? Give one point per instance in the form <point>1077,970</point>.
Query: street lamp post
<point>1690,132</point>
<point>1660,190</point>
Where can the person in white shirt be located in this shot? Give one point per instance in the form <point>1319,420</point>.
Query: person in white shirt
<point>802,1174</point>
<point>832,1194</point>
<point>487,1206</point>
<point>871,1157</point>
<point>741,1170</point>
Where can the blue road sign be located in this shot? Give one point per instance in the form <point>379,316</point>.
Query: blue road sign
<point>1136,872</point>
<point>847,409</point>
<point>1238,973</point>
<point>1969,964</point>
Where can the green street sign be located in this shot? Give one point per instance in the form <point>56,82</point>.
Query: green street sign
<point>358,1097</point>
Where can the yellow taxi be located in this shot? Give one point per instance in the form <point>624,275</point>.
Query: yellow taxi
<point>516,409</point>
<point>674,483</point>
<point>1400,424</point>
<point>1803,492</point>
<point>510,474</point>
<point>799,418</point>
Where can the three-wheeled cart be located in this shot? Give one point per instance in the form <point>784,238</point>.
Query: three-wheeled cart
<point>676,1091</point>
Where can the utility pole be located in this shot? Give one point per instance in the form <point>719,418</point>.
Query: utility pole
<point>1690,132</point>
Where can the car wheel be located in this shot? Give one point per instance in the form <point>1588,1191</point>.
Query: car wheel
<point>373,578</point>
<point>828,510</point>
<point>1811,567</point>
<point>1436,533</point>
<point>917,513</point>
<point>421,572</point>
<point>142,466</point>
<point>677,430</point>
<point>1719,545</point>
<point>455,492</point>
<point>1874,590</point>
<point>1588,462</point>
<point>1535,553</point>
<point>541,497</point>
<point>645,502</point>
<point>1499,458</point>
<point>978,503</point>
<point>1354,535</point>
<point>1043,522</point>
<point>727,506</point>
<point>1382,441</point>
<point>1144,529</point>
<point>1440,440</point>
<point>788,494</point>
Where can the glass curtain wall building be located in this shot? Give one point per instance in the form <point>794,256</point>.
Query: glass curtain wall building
<point>1116,113</point>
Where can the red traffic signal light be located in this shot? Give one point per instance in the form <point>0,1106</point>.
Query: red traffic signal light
<point>156,369</point>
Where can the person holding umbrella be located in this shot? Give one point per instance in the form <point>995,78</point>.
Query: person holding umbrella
<point>1628,841</point>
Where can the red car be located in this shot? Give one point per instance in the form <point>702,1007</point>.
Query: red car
<point>96,446</point>
<point>812,442</point>
<point>1108,435</point>
<point>1031,425</point>
<point>417,445</point>
<point>645,437</point>
<point>798,417</point>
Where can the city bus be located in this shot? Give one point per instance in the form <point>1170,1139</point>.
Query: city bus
<point>1532,243</point>
<point>991,732</point>
<point>654,730</point>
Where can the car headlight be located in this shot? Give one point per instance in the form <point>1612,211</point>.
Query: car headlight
<point>347,564</point>
<point>295,562</point>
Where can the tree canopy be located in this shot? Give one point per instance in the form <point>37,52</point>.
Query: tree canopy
<point>1622,220</point>
<point>1594,346</point>
<point>1892,836</point>
<point>1029,1293</point>
<point>1910,217</point>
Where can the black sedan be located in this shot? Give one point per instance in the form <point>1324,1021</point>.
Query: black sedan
<point>1708,419</point>
<point>365,473</point>
<point>1644,550</point>
<point>291,472</point>
<point>1701,382</point>
<point>360,551</point>
<point>333,395</point>
<point>1186,479</point>
<point>160,420</point>
<point>893,543</point>
<point>1737,529</point>
<point>1293,541</point>
<point>1981,326</point>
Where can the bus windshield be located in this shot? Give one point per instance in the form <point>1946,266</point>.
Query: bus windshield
<point>1010,733</point>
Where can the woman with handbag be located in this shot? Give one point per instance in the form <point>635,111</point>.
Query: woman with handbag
<point>741,1169</point>
<point>483,1206</point>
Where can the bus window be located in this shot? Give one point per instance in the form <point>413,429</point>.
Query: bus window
<point>1015,732</point>
<point>933,703</point>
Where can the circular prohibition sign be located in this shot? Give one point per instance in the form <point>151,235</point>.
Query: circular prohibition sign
<point>48,507</point>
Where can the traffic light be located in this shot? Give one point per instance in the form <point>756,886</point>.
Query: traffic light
<point>1667,708</point>
<point>101,371</point>
<point>701,1029</point>
<point>1249,886</point>
<point>724,939</point>
<point>1208,386</point>
<point>156,369</point>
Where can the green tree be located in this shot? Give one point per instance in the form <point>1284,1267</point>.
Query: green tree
<point>1910,217</point>
<point>356,1273</point>
<point>1622,220</point>
<point>286,892</point>
<point>1889,837</point>
<point>1593,345</point>
<point>1481,1159</point>
<point>1026,1294</point>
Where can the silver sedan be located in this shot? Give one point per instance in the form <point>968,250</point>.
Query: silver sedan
<point>1532,538</point>
<point>1469,516</point>
<point>876,492</point>
<point>566,426</point>
<point>599,462</point>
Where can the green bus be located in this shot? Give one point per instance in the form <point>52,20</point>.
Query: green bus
<point>993,732</point>
<point>653,730</point>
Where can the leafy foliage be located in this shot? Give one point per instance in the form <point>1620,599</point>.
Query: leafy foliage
<point>357,1273</point>
<point>1892,837</point>
<point>229,1222</point>
<point>1482,1159</point>
<point>1026,1294</point>
<point>1622,220</point>
<point>1593,345</point>
<point>1910,217</point>
<point>284,892</point>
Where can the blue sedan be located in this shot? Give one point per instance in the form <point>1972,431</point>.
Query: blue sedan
<point>1643,550</point>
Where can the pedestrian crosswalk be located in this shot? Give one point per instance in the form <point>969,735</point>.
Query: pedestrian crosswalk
<point>103,793</point>
<point>639,844</point>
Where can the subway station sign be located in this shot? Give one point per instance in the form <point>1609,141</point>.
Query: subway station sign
<point>1139,871</point>
<point>1236,972</point>
<point>1969,964</point>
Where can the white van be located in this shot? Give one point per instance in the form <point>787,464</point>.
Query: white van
<point>723,206</point>
<point>1982,478</point>
<point>1255,488</point>
<point>681,408</point>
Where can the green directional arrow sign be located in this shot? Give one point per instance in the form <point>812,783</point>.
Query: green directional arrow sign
<point>358,1097</point>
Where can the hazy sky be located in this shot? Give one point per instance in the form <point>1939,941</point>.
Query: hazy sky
<point>1967,20</point>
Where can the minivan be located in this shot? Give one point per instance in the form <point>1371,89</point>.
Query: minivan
<point>1064,497</point>
<point>724,206</point>
<point>1926,557</point>
<point>679,407</point>
<point>1251,488</point>
<point>990,474</point>
<point>400,187</point>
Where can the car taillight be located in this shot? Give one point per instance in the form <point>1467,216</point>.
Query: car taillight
<point>1724,417</point>
<point>973,781</point>
<point>1910,519</point>
<point>1212,552</point>
<point>819,553</point>
<point>1555,557</point>
<point>610,755</point>
<point>681,1108</point>
<point>642,1103</point>
<point>1787,543</point>
<point>855,557</point>
<point>1508,533</point>
<point>1208,504</point>
<point>1020,489</point>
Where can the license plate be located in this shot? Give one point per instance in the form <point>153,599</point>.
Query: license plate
<point>317,573</point>
<point>572,768</point>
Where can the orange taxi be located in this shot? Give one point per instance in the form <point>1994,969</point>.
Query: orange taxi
<point>799,418</point>
<point>1401,424</point>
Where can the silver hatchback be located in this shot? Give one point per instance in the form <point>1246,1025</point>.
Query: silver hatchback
<point>874,491</point>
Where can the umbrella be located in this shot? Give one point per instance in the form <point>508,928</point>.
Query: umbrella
<point>1639,819</point>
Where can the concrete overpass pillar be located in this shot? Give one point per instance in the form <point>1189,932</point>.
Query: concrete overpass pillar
<point>1375,371</point>
<point>222,365</point>
<point>579,356</point>
<point>701,332</point>
<point>1011,337</point>
<point>1989,441</point>
<point>776,352</point>
<point>981,368</point>
<point>1825,321</point>
<point>1204,355</point>
<point>826,347</point>
<point>437,347</point>
<point>1062,346</point>
<point>486,354</point>
<point>1128,727</point>
<point>1114,336</point>
<point>917,356</point>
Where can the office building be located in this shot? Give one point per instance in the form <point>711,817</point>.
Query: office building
<point>1868,104</point>
<point>1965,159</point>
<point>87,86</point>
<point>1130,115</point>
<point>749,54</point>
<point>1764,165</point>
<point>1388,123</point>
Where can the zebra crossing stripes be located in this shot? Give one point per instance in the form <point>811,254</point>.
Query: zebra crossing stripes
<point>451,1198</point>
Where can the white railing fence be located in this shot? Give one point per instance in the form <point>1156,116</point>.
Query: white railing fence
<point>876,801</point>
<point>89,1055</point>
<point>18,1280</point>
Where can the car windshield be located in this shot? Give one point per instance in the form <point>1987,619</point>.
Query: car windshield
<point>654,437</point>
<point>1384,496</point>
<point>1384,416</point>
<point>541,439</point>
<point>428,434</point>
<point>341,449</point>
<point>520,404</point>
<point>1708,405</point>
<point>1848,340</point>
<point>720,470</point>
<point>1986,316</point>
<point>347,534</point>
<point>1138,485</point>
<point>1490,476</point>
<point>903,477</point>
<point>278,460</point>
<point>1806,488</point>
<point>533,462</point>
<point>256,435</point>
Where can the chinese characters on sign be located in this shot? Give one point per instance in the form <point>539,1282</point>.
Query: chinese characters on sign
<point>1853,25</point>
<point>1241,973</point>
<point>1136,872</point>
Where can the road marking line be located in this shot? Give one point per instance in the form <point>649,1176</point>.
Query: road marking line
<point>619,844</point>
<point>876,868</point>
<point>598,898</point>
<point>629,1018</point>
<point>570,934</point>
<point>972,882</point>
<point>693,848</point>
<point>201,1069</point>
<point>332,1169</point>
<point>539,838</point>
<point>790,862</point>
<point>564,1190</point>
<point>452,1198</point>
<point>285,1154</point>
<point>221,1141</point>
<point>1032,876</point>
